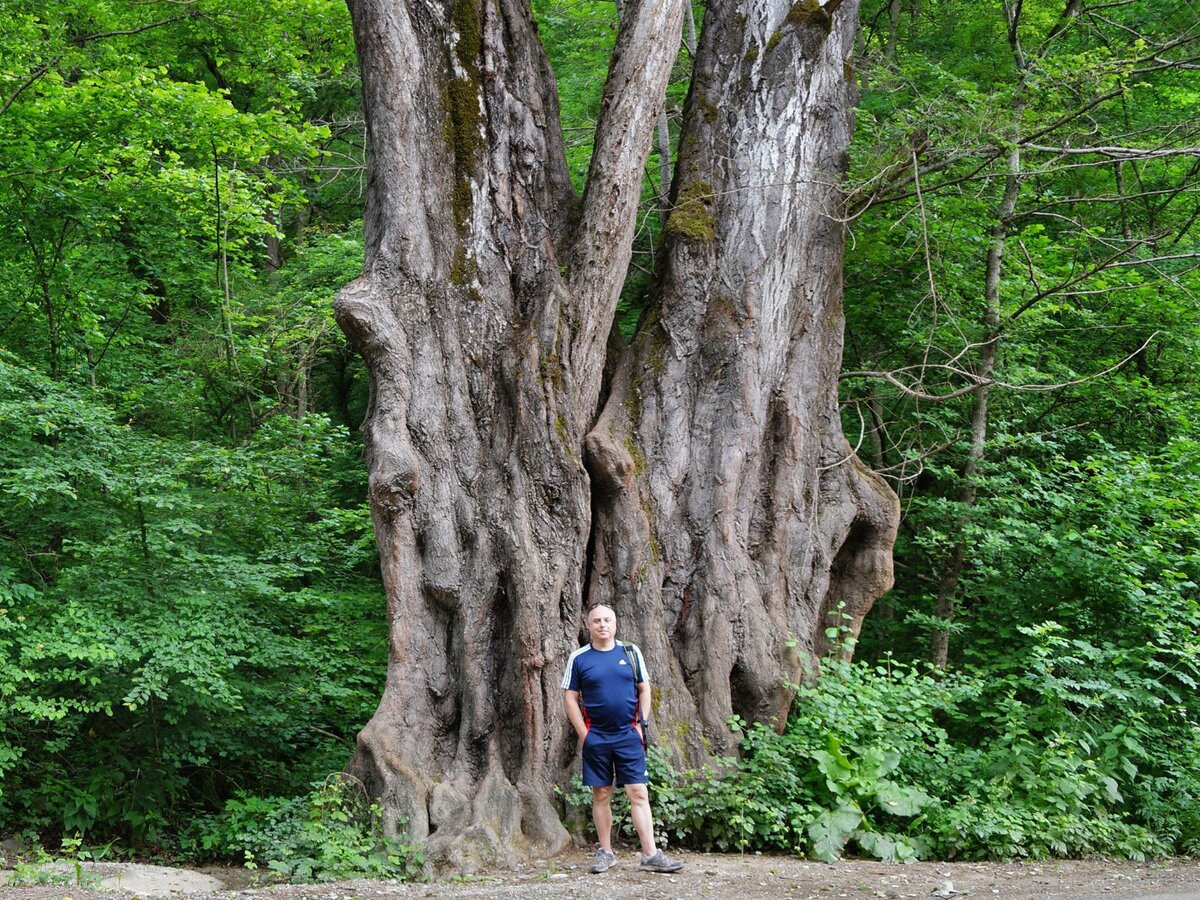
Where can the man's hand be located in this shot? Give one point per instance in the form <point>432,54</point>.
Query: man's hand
<point>575,716</point>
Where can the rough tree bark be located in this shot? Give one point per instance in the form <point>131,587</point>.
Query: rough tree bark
<point>483,312</point>
<point>734,524</point>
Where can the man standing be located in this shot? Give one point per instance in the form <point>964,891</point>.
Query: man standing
<point>606,693</point>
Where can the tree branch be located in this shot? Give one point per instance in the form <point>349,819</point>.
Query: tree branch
<point>1118,152</point>
<point>33,76</point>
<point>635,91</point>
<point>978,382</point>
<point>100,35</point>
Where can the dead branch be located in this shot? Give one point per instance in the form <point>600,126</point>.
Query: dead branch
<point>976,381</point>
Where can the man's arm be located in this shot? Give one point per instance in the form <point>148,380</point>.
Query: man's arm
<point>644,701</point>
<point>575,713</point>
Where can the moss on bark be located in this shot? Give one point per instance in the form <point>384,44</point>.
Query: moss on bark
<point>463,128</point>
<point>692,216</point>
<point>810,12</point>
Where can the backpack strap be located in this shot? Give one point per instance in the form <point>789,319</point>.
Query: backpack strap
<point>633,654</point>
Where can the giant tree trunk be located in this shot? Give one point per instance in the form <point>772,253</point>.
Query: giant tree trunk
<point>487,296</point>
<point>734,523</point>
<point>483,314</point>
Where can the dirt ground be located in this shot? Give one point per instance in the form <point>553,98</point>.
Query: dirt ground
<point>724,877</point>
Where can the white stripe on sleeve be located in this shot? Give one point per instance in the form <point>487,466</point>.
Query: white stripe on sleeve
<point>566,684</point>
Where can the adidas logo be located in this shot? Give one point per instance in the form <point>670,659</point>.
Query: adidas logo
<point>623,663</point>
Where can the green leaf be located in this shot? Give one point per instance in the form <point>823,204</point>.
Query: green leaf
<point>832,828</point>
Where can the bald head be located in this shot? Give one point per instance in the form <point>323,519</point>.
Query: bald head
<point>602,626</point>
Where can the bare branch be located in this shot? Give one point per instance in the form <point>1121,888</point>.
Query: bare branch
<point>1112,198</point>
<point>1118,152</point>
<point>1125,264</point>
<point>862,432</point>
<point>917,460</point>
<point>915,393</point>
<point>977,381</point>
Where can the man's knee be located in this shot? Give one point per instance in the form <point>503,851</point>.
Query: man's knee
<point>601,795</point>
<point>637,793</point>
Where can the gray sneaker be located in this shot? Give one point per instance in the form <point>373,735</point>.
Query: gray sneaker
<point>605,860</point>
<point>660,862</point>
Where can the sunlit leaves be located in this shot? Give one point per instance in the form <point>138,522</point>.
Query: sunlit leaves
<point>187,594</point>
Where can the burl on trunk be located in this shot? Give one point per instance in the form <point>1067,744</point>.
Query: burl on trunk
<point>713,501</point>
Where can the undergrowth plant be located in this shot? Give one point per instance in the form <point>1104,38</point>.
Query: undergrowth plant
<point>331,834</point>
<point>897,762</point>
<point>37,867</point>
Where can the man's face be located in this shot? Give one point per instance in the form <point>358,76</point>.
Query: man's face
<point>601,624</point>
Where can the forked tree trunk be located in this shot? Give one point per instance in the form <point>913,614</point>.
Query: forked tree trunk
<point>734,523</point>
<point>483,314</point>
<point>730,513</point>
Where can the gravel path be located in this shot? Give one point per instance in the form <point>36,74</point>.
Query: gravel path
<point>725,877</point>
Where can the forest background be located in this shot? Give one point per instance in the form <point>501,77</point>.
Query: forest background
<point>192,625</point>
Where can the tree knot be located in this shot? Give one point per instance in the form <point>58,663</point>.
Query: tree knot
<point>394,483</point>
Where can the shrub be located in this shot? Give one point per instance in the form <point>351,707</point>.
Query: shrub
<point>331,834</point>
<point>1071,750</point>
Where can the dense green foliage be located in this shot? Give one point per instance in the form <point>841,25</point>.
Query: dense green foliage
<point>1071,749</point>
<point>330,834</point>
<point>1064,554</point>
<point>191,623</point>
<point>194,603</point>
<point>190,611</point>
<point>1095,328</point>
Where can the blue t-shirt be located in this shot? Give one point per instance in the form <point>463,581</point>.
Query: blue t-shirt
<point>607,684</point>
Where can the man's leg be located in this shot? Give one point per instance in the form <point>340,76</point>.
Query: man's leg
<point>653,859</point>
<point>602,815</point>
<point>643,819</point>
<point>630,763</point>
<point>597,773</point>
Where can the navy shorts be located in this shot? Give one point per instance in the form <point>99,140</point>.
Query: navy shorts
<point>607,755</point>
